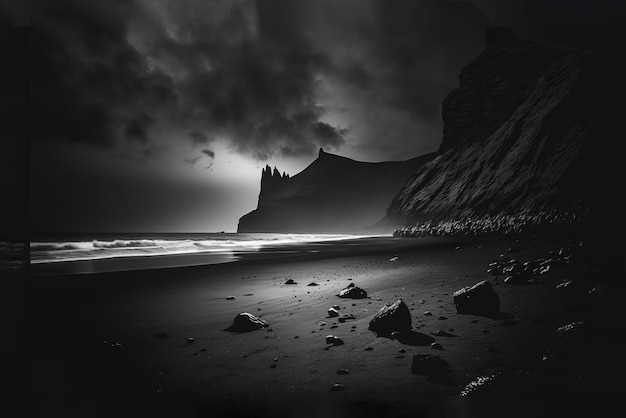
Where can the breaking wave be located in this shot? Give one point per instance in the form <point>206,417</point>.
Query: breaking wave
<point>51,251</point>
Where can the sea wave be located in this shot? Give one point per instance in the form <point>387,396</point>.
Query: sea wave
<point>79,250</point>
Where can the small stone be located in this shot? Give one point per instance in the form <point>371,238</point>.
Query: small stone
<point>369,348</point>
<point>190,340</point>
<point>394,258</point>
<point>437,346</point>
<point>231,298</point>
<point>273,366</point>
<point>343,371</point>
<point>312,284</point>
<point>321,324</point>
<point>337,307</point>
<point>564,284</point>
<point>402,350</point>
<point>353,292</point>
<point>428,313</point>
<point>331,339</point>
<point>332,313</point>
<point>345,317</point>
<point>337,387</point>
<point>443,318</point>
<point>290,281</point>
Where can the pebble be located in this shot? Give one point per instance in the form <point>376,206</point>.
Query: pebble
<point>190,340</point>
<point>344,318</point>
<point>231,298</point>
<point>290,281</point>
<point>428,313</point>
<point>331,339</point>
<point>566,283</point>
<point>337,387</point>
<point>437,346</point>
<point>343,371</point>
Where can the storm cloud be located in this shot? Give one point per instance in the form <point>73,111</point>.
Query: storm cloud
<point>252,74</point>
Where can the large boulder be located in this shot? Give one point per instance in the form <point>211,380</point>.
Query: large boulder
<point>246,322</point>
<point>391,318</point>
<point>479,299</point>
<point>353,292</point>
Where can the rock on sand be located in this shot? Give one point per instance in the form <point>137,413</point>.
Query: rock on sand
<point>246,322</point>
<point>353,292</point>
<point>390,318</point>
<point>479,299</point>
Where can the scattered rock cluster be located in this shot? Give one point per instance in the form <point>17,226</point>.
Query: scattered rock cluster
<point>517,272</point>
<point>498,224</point>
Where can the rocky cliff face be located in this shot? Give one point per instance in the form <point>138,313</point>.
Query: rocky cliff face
<point>529,129</point>
<point>333,194</point>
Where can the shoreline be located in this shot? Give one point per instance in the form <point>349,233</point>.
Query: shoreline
<point>95,346</point>
<point>295,252</point>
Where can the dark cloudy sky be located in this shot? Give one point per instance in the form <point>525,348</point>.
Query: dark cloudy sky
<point>157,115</point>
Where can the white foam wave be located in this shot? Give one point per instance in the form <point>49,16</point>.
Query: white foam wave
<point>47,252</point>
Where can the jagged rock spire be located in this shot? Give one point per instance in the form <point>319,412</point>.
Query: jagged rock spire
<point>270,180</point>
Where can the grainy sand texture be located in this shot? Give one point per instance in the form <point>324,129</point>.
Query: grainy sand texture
<point>154,342</point>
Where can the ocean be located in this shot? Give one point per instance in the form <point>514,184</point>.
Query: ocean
<point>90,253</point>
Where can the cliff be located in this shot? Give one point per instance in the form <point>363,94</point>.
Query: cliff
<point>530,129</point>
<point>333,194</point>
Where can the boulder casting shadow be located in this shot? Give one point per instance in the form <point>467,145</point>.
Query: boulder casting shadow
<point>391,318</point>
<point>479,299</point>
<point>246,322</point>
